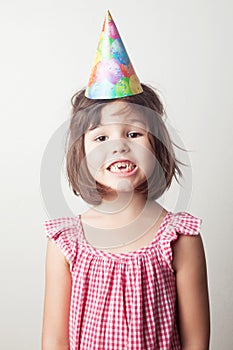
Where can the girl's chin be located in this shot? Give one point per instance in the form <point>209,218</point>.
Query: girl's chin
<point>124,186</point>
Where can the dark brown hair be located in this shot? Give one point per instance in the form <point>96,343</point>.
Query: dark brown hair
<point>86,113</point>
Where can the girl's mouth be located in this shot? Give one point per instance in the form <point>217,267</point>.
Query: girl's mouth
<point>122,168</point>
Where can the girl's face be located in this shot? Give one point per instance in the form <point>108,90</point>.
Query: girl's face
<point>118,152</point>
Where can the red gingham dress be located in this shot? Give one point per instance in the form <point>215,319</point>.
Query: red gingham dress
<point>122,301</point>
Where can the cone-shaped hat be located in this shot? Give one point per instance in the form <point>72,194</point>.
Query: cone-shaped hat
<point>112,75</point>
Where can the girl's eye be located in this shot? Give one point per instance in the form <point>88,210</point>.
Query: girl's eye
<point>101,138</point>
<point>134,134</point>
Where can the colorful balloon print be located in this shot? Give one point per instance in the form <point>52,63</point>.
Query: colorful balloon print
<point>112,74</point>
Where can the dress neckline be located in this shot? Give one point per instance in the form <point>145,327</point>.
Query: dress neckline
<point>126,255</point>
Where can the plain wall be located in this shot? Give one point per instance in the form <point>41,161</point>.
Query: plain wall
<point>183,48</point>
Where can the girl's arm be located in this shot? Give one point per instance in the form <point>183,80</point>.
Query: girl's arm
<point>192,292</point>
<point>55,332</point>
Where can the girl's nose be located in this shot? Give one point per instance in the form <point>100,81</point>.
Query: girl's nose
<point>120,146</point>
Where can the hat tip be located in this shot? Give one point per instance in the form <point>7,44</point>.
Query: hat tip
<point>108,16</point>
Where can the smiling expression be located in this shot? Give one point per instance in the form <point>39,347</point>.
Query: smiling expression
<point>118,152</point>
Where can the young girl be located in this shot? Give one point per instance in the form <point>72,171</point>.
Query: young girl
<point>127,273</point>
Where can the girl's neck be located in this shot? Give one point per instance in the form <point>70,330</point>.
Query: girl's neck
<point>124,209</point>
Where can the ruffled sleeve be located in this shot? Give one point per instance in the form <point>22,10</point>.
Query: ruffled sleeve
<point>181,223</point>
<point>64,233</point>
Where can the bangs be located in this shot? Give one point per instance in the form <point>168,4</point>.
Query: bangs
<point>132,112</point>
<point>83,120</point>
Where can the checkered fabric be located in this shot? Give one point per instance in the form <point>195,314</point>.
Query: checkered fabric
<point>124,301</point>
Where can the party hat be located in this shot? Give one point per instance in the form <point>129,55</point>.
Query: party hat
<point>112,74</point>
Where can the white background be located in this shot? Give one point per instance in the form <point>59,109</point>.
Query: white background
<point>183,48</point>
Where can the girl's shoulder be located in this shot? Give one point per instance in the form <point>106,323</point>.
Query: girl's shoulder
<point>184,223</point>
<point>177,224</point>
<point>65,232</point>
<point>61,225</point>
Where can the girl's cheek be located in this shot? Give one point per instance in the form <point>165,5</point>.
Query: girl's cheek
<point>91,154</point>
<point>94,159</point>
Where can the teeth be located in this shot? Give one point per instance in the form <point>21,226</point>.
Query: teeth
<point>122,166</point>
